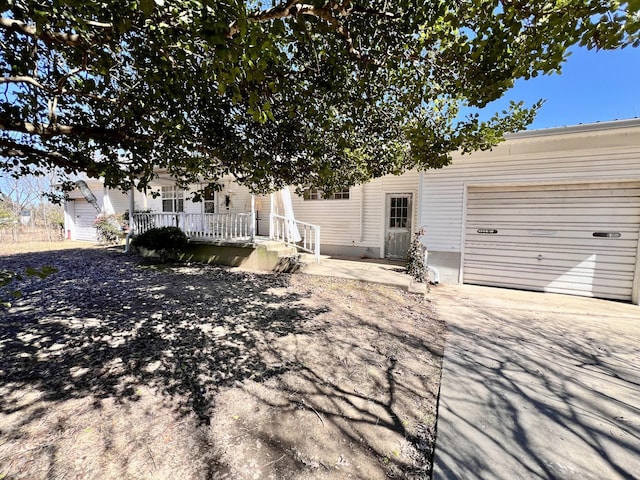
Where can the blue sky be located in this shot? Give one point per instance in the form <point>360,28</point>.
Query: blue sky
<point>592,87</point>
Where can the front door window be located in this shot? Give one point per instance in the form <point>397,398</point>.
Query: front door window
<point>209,200</point>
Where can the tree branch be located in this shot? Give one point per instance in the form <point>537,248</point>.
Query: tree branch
<point>47,131</point>
<point>59,90</point>
<point>292,9</point>
<point>66,76</point>
<point>22,79</point>
<point>33,156</point>
<point>47,36</point>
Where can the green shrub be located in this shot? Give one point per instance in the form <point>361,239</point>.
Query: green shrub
<point>165,240</point>
<point>109,228</point>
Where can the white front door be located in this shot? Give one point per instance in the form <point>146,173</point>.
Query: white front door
<point>398,225</point>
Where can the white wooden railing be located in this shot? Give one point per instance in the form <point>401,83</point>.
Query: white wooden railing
<point>201,226</point>
<point>232,227</point>
<point>285,229</point>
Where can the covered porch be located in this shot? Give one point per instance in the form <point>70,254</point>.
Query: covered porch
<point>232,226</point>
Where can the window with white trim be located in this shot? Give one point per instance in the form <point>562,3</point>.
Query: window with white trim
<point>317,194</point>
<point>172,199</point>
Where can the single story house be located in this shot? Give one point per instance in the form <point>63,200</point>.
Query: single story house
<point>554,210</point>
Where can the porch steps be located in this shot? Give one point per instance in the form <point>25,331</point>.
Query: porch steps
<point>279,257</point>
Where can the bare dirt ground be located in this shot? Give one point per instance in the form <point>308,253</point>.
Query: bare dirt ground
<point>117,368</point>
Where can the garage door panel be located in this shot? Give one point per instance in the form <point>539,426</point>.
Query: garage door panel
<point>627,231</point>
<point>567,289</point>
<point>578,282</point>
<point>569,195</point>
<point>510,254</point>
<point>559,212</point>
<point>539,241</point>
<point>542,238</point>
<point>487,221</point>
<point>532,262</point>
<point>536,200</point>
<point>596,275</point>
<point>549,235</point>
<point>565,243</point>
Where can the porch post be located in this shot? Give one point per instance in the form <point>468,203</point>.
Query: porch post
<point>253,217</point>
<point>131,219</point>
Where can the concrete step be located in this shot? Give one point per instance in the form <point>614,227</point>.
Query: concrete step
<point>281,248</point>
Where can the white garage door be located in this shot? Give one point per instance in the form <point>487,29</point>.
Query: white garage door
<point>575,239</point>
<point>85,216</point>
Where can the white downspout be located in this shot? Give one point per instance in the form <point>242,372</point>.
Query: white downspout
<point>420,194</point>
<point>271,213</point>
<point>428,268</point>
<point>433,270</point>
<point>253,217</point>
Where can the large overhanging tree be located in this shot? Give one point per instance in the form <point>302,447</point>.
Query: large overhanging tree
<point>324,93</point>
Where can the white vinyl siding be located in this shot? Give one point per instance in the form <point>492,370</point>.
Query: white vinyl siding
<point>579,239</point>
<point>358,221</point>
<point>119,201</point>
<point>522,161</point>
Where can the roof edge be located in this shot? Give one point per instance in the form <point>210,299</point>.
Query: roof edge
<point>586,127</point>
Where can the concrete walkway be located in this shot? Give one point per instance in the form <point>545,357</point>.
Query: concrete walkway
<point>537,386</point>
<point>383,271</point>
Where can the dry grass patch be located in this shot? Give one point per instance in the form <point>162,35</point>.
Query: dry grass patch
<point>33,247</point>
<point>113,368</point>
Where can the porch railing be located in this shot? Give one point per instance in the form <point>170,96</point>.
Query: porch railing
<point>201,226</point>
<point>284,230</point>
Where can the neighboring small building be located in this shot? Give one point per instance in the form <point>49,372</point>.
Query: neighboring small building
<point>554,210</point>
<point>25,217</point>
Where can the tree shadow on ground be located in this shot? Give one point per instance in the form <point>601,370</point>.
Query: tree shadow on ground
<point>572,376</point>
<point>365,394</point>
<point>312,378</point>
<point>106,323</point>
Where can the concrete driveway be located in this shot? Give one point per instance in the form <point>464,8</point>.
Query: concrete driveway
<point>537,386</point>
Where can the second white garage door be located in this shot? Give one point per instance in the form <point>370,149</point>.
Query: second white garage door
<point>576,239</point>
<point>85,215</point>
